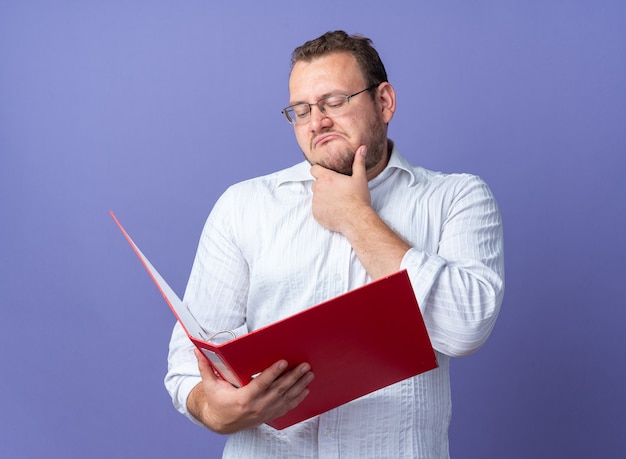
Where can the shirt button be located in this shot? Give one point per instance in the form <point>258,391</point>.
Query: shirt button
<point>327,432</point>
<point>337,277</point>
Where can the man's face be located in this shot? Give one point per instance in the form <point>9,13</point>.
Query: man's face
<point>332,141</point>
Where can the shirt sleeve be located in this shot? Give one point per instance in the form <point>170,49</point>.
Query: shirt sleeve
<point>216,295</point>
<point>460,287</point>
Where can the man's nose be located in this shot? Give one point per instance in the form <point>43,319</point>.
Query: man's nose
<point>318,117</point>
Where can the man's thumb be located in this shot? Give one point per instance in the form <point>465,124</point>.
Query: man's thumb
<point>358,166</point>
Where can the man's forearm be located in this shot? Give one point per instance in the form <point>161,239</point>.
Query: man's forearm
<point>377,246</point>
<point>196,404</point>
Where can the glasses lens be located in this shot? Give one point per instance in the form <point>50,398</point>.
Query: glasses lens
<point>334,104</point>
<point>300,113</point>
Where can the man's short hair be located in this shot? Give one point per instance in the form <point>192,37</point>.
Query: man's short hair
<point>340,42</point>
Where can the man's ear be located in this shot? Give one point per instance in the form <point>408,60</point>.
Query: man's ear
<point>387,99</point>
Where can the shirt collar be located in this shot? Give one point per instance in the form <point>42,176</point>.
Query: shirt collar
<point>301,172</point>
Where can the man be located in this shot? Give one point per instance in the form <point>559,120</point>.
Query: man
<point>354,211</point>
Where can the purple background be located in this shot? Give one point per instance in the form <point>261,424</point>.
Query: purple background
<point>152,108</point>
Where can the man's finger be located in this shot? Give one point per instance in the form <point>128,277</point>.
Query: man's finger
<point>268,376</point>
<point>358,165</point>
<point>206,370</point>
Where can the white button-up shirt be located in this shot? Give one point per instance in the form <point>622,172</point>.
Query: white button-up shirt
<point>262,256</point>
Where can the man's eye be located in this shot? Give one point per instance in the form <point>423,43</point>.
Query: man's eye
<point>301,111</point>
<point>334,102</point>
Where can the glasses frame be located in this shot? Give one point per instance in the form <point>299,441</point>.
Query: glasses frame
<point>320,104</point>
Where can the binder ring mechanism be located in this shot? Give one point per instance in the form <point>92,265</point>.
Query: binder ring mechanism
<point>202,331</point>
<point>213,335</point>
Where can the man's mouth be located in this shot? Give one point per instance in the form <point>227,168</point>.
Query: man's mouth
<point>325,138</point>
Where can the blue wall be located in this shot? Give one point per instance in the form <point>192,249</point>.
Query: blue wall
<point>152,108</point>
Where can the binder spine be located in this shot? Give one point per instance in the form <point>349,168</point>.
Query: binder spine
<point>221,367</point>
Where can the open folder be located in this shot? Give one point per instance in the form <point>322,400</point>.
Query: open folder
<point>356,343</point>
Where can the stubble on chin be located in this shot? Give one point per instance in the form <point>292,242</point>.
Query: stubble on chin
<point>343,165</point>
<point>342,162</point>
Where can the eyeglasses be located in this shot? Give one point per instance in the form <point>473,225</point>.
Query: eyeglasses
<point>330,106</point>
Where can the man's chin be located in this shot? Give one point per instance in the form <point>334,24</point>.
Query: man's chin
<point>342,167</point>
<point>340,162</point>
<point>344,171</point>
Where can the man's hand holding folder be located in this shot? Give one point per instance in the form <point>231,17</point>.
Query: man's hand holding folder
<point>225,409</point>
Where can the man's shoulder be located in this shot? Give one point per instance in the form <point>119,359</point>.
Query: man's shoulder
<point>299,172</point>
<point>448,177</point>
<point>268,183</point>
<point>431,177</point>
<point>423,176</point>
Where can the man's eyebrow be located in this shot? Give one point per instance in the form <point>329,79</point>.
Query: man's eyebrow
<point>291,104</point>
